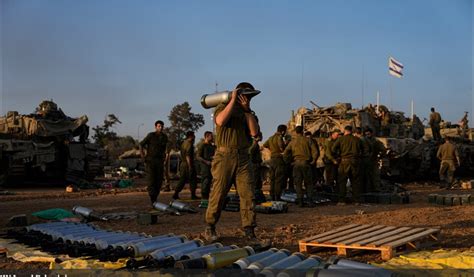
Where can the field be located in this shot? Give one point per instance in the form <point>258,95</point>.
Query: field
<point>284,230</point>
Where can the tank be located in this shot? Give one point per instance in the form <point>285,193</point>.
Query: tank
<point>410,150</point>
<point>47,145</point>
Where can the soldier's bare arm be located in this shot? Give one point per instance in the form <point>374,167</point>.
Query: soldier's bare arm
<point>226,113</point>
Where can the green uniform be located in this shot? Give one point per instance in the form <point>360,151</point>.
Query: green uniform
<point>372,171</point>
<point>314,166</point>
<point>187,172</point>
<point>349,148</point>
<point>231,165</point>
<point>449,156</point>
<point>435,120</point>
<point>330,166</point>
<point>277,165</point>
<point>302,152</point>
<point>256,163</point>
<point>155,144</point>
<point>206,152</point>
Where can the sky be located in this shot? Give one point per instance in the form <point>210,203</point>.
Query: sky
<point>139,58</point>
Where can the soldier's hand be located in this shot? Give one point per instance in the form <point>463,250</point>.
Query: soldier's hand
<point>244,102</point>
<point>235,93</point>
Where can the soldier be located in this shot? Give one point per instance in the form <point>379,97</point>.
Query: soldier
<point>155,145</point>
<point>205,155</point>
<point>302,152</point>
<point>349,148</point>
<point>277,166</point>
<point>288,169</point>
<point>236,124</point>
<point>330,162</point>
<point>314,164</point>
<point>435,120</point>
<point>256,164</point>
<point>366,153</point>
<point>372,172</point>
<point>187,171</point>
<point>449,156</point>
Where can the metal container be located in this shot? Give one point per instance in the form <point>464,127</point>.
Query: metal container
<point>214,99</point>
<point>124,245</point>
<point>222,259</point>
<point>103,243</point>
<point>344,263</point>
<point>161,254</point>
<point>205,248</point>
<point>275,257</point>
<point>245,262</point>
<point>165,208</point>
<point>201,252</point>
<point>299,269</point>
<point>275,268</point>
<point>88,213</point>
<point>143,248</point>
<point>182,207</point>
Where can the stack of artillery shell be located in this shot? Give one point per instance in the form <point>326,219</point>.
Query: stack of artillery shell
<point>385,198</point>
<point>232,203</point>
<point>451,199</point>
<point>170,251</point>
<point>291,197</point>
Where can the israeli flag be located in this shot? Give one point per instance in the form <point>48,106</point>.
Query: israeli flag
<point>395,67</point>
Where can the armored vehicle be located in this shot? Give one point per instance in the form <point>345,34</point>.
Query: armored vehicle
<point>46,146</point>
<point>410,153</point>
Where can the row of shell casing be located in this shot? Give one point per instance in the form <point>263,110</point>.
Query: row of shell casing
<point>177,251</point>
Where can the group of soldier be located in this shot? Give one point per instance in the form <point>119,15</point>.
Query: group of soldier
<point>234,158</point>
<point>346,156</point>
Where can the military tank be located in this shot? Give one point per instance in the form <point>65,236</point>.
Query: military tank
<point>46,145</point>
<point>410,153</point>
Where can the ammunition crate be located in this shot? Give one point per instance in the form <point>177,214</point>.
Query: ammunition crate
<point>147,218</point>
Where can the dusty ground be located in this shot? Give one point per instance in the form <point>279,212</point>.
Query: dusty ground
<point>456,222</point>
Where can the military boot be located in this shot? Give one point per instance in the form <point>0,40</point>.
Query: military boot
<point>253,241</point>
<point>210,233</point>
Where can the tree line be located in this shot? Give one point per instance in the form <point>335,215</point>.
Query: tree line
<point>181,121</point>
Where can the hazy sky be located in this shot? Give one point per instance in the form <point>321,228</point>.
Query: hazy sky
<point>137,59</point>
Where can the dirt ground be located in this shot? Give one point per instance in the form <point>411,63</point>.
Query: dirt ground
<point>284,230</point>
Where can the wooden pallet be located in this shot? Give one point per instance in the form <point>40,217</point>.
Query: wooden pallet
<point>390,240</point>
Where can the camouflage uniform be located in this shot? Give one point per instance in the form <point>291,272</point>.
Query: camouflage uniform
<point>302,151</point>
<point>206,152</point>
<point>349,148</point>
<point>277,165</point>
<point>330,163</point>
<point>155,144</point>
<point>435,120</point>
<point>187,172</point>
<point>231,165</point>
<point>449,156</point>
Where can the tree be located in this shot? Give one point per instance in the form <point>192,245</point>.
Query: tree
<point>182,120</point>
<point>103,134</point>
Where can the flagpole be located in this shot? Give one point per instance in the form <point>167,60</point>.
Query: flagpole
<point>390,84</point>
<point>363,84</point>
<point>412,110</point>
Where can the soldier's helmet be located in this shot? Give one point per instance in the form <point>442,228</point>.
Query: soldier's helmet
<point>46,107</point>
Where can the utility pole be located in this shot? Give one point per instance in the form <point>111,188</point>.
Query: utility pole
<point>138,131</point>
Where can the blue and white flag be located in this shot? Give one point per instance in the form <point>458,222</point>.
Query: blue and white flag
<point>395,67</point>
